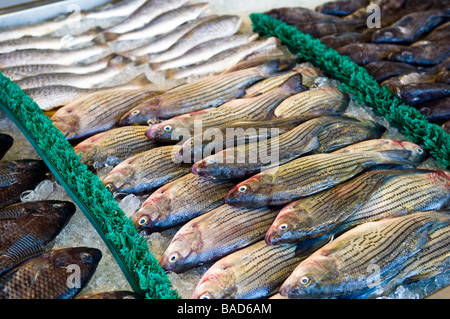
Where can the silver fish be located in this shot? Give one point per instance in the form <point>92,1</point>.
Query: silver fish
<point>163,23</point>
<point>223,60</point>
<point>205,50</point>
<point>165,41</point>
<point>146,13</point>
<point>66,57</point>
<point>123,8</point>
<point>221,26</point>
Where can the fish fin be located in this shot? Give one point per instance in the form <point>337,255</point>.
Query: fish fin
<point>7,213</point>
<point>171,73</point>
<point>25,247</point>
<point>272,66</point>
<point>294,84</point>
<point>99,35</point>
<point>110,36</point>
<point>7,179</point>
<point>140,81</point>
<point>312,144</point>
<point>396,156</point>
<point>118,61</point>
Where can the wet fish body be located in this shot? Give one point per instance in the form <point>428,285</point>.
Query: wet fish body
<point>424,54</point>
<point>97,112</point>
<point>408,78</point>
<point>224,60</point>
<point>221,231</point>
<point>256,108</point>
<point>28,226</point>
<point>254,272</point>
<point>410,27</point>
<point>146,171</point>
<point>165,41</point>
<point>364,53</point>
<point>243,161</point>
<point>384,70</point>
<point>45,276</point>
<point>117,294</point>
<point>42,56</point>
<point>122,8</point>
<point>17,177</point>
<point>292,15</point>
<point>6,142</point>
<point>325,27</point>
<point>180,201</point>
<point>165,22</point>
<point>318,172</point>
<point>369,197</point>
<point>339,40</point>
<point>393,241</point>
<point>341,8</point>
<point>146,13</point>
<point>118,143</point>
<point>417,93</point>
<point>205,50</point>
<point>202,94</point>
<point>218,27</point>
<point>313,100</point>
<point>437,110</point>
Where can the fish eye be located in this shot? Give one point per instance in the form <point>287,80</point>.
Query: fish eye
<point>304,280</point>
<point>58,205</point>
<point>242,188</point>
<point>419,150</point>
<point>283,226</point>
<point>143,220</point>
<point>168,128</point>
<point>173,258</point>
<point>211,161</point>
<point>86,257</point>
<point>109,188</point>
<point>205,296</point>
<point>135,112</point>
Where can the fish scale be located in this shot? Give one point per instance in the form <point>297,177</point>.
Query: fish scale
<point>146,171</point>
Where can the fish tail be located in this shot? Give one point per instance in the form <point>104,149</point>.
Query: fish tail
<point>273,66</point>
<point>140,81</point>
<point>110,36</point>
<point>294,84</point>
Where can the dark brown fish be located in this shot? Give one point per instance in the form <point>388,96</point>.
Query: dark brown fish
<point>443,76</point>
<point>416,93</point>
<point>439,33</point>
<point>436,111</point>
<point>17,177</point>
<point>422,53</point>
<point>120,294</point>
<point>56,274</point>
<point>446,127</point>
<point>342,7</point>
<point>322,28</point>
<point>27,227</point>
<point>339,40</point>
<point>6,141</point>
<point>409,28</point>
<point>409,78</point>
<point>294,15</point>
<point>383,70</point>
<point>364,53</point>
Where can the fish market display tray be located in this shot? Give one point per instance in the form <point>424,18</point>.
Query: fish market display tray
<point>106,207</point>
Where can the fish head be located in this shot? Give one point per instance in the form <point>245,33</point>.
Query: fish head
<point>418,153</point>
<point>211,166</point>
<point>142,113</point>
<point>59,211</point>
<point>168,131</point>
<point>120,177</point>
<point>86,259</point>
<point>253,192</point>
<point>312,277</point>
<point>89,148</point>
<point>218,282</point>
<point>181,253</point>
<point>152,210</point>
<point>187,152</point>
<point>290,226</point>
<point>67,121</point>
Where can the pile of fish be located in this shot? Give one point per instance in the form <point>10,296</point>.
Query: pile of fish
<point>261,171</point>
<point>403,44</point>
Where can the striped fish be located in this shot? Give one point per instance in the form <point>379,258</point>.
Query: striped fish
<point>48,56</point>
<point>118,143</point>
<point>163,23</point>
<point>309,76</point>
<point>220,232</point>
<point>248,109</point>
<point>346,265</point>
<point>146,171</point>
<point>208,92</point>
<point>218,27</point>
<point>97,112</point>
<point>313,100</point>
<point>180,201</point>
<point>165,41</point>
<point>371,196</point>
<point>308,175</point>
<point>248,159</point>
<point>254,272</point>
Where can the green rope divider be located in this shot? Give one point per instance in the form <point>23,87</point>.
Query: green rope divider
<point>355,80</point>
<point>117,230</point>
